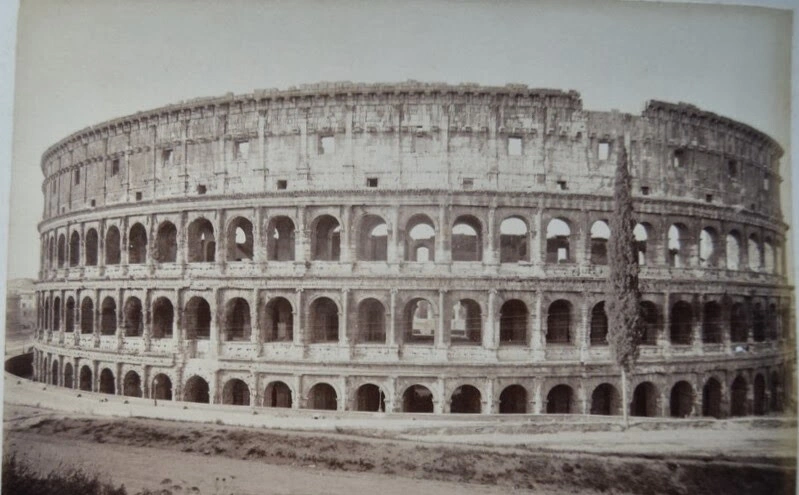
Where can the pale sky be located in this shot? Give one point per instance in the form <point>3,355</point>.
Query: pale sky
<point>82,62</point>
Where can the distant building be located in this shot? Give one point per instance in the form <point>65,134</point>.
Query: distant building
<point>20,304</point>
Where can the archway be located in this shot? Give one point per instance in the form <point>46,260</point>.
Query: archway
<point>775,395</point>
<point>467,240</point>
<point>369,397</point>
<point>599,325</point>
<point>559,322</point>
<point>371,321</point>
<point>326,239</point>
<point>68,376</point>
<point>322,396</point>
<point>108,316</point>
<point>738,401</point>
<point>373,239</point>
<point>237,320</point>
<point>131,385</point>
<point>236,392</point>
<point>107,384</point>
<point>112,246</point>
<point>560,400</point>
<point>466,399</point>
<point>278,320</point>
<point>600,233</point>
<point>711,398</point>
<point>137,244</point>
<point>682,400</point>
<point>513,400</point>
<point>645,400</point>
<point>74,249</point>
<point>513,322</point>
<point>133,317</point>
<point>166,243</point>
<point>280,239</point>
<point>162,387</point>
<point>196,390</point>
<point>198,319</point>
<point>85,379</point>
<point>417,399</point>
<point>711,324</point>
<point>87,316</point>
<point>324,320</point>
<point>733,250</point>
<point>759,395</point>
<point>54,373</point>
<point>277,394</point>
<point>421,239</point>
<point>605,400</point>
<point>240,245</point>
<point>513,240</point>
<point>201,242</point>
<point>163,318</point>
<point>420,322</point>
<point>466,325</point>
<point>681,331</point>
<point>557,246</point>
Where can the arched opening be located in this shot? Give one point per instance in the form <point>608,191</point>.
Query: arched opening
<point>772,322</point>
<point>57,314</point>
<point>54,372</point>
<point>108,316</point>
<point>198,319</point>
<point>753,250</point>
<point>559,322</point>
<point>137,244</point>
<point>708,255</point>
<point>277,394</point>
<point>326,239</point>
<point>600,233</point>
<point>373,239</point>
<point>324,320</point>
<point>768,256</point>
<point>131,385</point>
<point>166,243</point>
<point>62,250</point>
<point>112,249</point>
<point>74,249</point>
<point>466,323</point>
<point>202,242</point>
<point>369,397</point>
<point>85,379</point>
<point>513,322</point>
<point>599,325</point>
<point>280,239</point>
<point>420,322</point>
<point>513,240</point>
<point>759,395</point>
<point>47,313</point>
<point>70,315</point>
<point>133,317</point>
<point>560,400</point>
<point>322,396</point>
<point>738,330</point>
<point>738,390</point>
<point>162,387</point>
<point>236,393</point>
<point>278,321</point>
<point>92,241</point>
<point>240,243</point>
<point>711,398</point>
<point>421,242</point>
<point>711,323</point>
<point>733,250</point>
<point>641,234</point>
<point>775,395</point>
<point>237,320</point>
<point>51,253</point>
<point>678,244</point>
<point>417,399</point>
<point>558,233</point>
<point>513,400</point>
<point>107,385</point>
<point>163,318</point>
<point>681,403</point>
<point>68,376</point>
<point>371,321</point>
<point>86,316</point>
<point>681,321</point>
<point>465,399</point>
<point>645,400</point>
<point>605,400</point>
<point>467,239</point>
<point>758,323</point>
<point>196,390</point>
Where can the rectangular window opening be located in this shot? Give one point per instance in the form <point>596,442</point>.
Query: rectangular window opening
<point>166,157</point>
<point>679,159</point>
<point>115,167</point>
<point>604,150</point>
<point>94,203</point>
<point>77,176</point>
<point>467,183</point>
<point>201,189</point>
<point>327,145</point>
<point>282,184</point>
<point>371,182</point>
<point>645,191</point>
<point>138,196</point>
<point>708,198</point>
<point>514,146</point>
<point>242,150</point>
<point>732,168</point>
<point>562,185</point>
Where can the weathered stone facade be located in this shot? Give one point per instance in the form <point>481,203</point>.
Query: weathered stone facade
<point>411,247</point>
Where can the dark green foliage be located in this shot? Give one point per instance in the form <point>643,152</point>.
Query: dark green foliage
<point>623,299</point>
<point>20,479</point>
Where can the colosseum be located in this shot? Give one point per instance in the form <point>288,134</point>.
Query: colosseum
<point>412,248</point>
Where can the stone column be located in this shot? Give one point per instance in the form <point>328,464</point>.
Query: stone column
<point>391,338</point>
<point>255,324</point>
<point>177,321</point>
<point>537,405</point>
<point>299,332</point>
<point>302,248</point>
<point>664,337</point>
<point>583,336</point>
<point>215,323</point>
<point>537,342</point>
<point>537,238</point>
<point>490,255</point>
<point>442,333</point>
<point>490,337</point>
<point>343,337</point>
<point>346,235</point>
<point>394,253</point>
<point>443,236</point>
<point>258,238</point>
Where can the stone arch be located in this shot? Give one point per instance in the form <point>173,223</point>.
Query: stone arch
<point>681,403</point>
<point>600,234</point>
<point>513,400</point>
<point>108,316</point>
<point>558,249</point>
<point>373,239</point>
<point>466,399</point>
<point>733,248</point>
<point>68,376</point>
<point>74,249</point>
<point>69,324</point>
<point>277,320</point>
<point>113,252</point>
<point>85,378</point>
<point>54,372</point>
<point>324,320</point>
<point>51,253</point>
<point>420,321</point>
<point>753,252</point>
<point>682,318</point>
<point>166,243</point>
<point>325,238</point>
<point>369,397</point>
<point>513,233</point>
<point>92,246</point>
<point>371,321</point>
<point>322,396</point>
<point>240,243</point>
<point>62,250</point>
<point>758,323</point>
<point>560,400</point>
<point>238,327</point>
<point>467,239</point>
<point>201,243</point>
<point>196,389</point>
<point>280,233</point>
<point>645,400</point>
<point>277,394</point>
<point>678,245</point>
<point>711,398</point>
<point>57,314</point>
<point>599,324</point>
<point>87,315</point>
<point>421,239</point>
<point>137,244</point>
<point>198,319</point>
<point>708,247</point>
<point>775,392</point>
<point>759,404</point>
<point>711,323</point>
<point>738,328</point>
<point>466,325</point>
<point>738,400</point>
<point>163,318</point>
<point>131,384</point>
<point>559,317</point>
<point>417,399</point>
<point>772,322</point>
<point>47,313</point>
<point>641,232</point>
<point>768,255</point>
<point>513,321</point>
<point>605,400</point>
<point>236,393</point>
<point>161,387</point>
<point>134,320</point>
<point>107,382</point>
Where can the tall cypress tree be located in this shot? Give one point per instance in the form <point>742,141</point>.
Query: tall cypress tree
<point>623,298</point>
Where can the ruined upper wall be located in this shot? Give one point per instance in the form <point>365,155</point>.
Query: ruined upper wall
<point>347,136</point>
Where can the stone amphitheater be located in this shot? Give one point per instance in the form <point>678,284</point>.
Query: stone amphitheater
<point>412,248</point>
